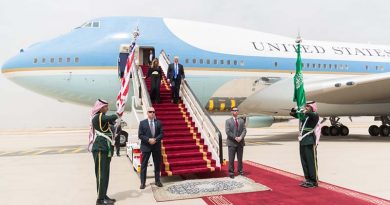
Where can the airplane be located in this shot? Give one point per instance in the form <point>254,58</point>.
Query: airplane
<point>225,66</point>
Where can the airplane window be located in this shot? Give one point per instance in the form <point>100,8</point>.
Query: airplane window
<point>228,62</point>
<point>376,67</point>
<point>341,67</point>
<point>314,65</point>
<point>235,62</point>
<point>241,63</point>
<point>201,61</point>
<point>76,60</point>
<point>215,61</point>
<point>35,60</point>
<point>303,65</point>
<point>96,24</point>
<point>276,64</point>
<point>51,60</point>
<point>221,61</point>
<point>59,60</point>
<point>187,60</point>
<point>346,67</point>
<point>194,60</point>
<point>68,60</point>
<point>324,66</point>
<point>366,67</point>
<point>319,65</point>
<point>208,61</point>
<point>308,65</point>
<point>335,66</point>
<point>43,60</point>
<point>330,66</point>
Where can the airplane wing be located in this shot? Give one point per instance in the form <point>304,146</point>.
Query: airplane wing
<point>372,88</point>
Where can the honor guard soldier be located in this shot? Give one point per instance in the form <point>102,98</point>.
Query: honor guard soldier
<point>102,148</point>
<point>307,143</point>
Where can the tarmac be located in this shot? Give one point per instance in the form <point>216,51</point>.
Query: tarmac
<point>53,166</point>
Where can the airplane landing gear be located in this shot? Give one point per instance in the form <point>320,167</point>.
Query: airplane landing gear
<point>335,129</point>
<point>383,130</point>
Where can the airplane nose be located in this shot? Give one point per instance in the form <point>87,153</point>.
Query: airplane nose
<point>14,63</point>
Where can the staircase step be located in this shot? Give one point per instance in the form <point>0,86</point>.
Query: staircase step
<point>169,148</point>
<point>161,108</point>
<point>177,133</point>
<point>186,154</point>
<point>178,128</point>
<point>189,171</point>
<point>173,121</point>
<point>188,163</point>
<point>187,140</point>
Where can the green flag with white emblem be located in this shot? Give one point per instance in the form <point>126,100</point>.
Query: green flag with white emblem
<point>299,91</point>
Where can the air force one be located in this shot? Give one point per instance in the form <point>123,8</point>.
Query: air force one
<point>224,66</point>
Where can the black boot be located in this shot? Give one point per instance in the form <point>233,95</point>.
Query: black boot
<point>108,199</point>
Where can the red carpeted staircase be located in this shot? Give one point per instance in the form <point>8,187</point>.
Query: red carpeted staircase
<point>183,150</point>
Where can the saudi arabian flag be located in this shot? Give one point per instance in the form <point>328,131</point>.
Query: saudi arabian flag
<point>299,91</point>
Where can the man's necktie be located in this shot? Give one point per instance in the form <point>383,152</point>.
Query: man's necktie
<point>152,128</point>
<point>175,71</point>
<point>236,122</point>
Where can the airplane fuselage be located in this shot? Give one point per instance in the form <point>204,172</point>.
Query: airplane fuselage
<point>220,62</point>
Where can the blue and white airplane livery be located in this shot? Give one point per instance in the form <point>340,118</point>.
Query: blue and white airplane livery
<point>224,65</point>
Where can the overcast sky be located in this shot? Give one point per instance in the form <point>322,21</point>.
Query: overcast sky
<point>25,22</point>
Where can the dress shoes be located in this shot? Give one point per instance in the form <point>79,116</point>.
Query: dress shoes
<point>159,184</point>
<point>103,202</point>
<point>231,176</point>
<point>303,183</point>
<point>108,199</point>
<point>142,186</point>
<point>310,185</point>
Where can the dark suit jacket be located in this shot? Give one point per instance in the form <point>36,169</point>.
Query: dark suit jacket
<point>144,134</point>
<point>171,72</point>
<point>232,132</point>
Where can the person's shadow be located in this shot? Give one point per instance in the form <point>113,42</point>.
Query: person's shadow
<point>127,194</point>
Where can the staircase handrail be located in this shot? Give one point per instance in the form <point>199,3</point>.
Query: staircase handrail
<point>140,89</point>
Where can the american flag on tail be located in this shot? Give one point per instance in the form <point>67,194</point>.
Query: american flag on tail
<point>125,82</point>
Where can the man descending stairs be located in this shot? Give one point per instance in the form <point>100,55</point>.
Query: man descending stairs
<point>183,149</point>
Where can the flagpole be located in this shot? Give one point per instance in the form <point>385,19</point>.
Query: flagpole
<point>122,97</point>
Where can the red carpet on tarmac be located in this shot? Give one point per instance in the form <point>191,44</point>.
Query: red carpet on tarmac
<point>286,190</point>
<point>183,149</point>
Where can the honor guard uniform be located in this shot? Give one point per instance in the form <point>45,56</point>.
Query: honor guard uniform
<point>307,143</point>
<point>102,148</point>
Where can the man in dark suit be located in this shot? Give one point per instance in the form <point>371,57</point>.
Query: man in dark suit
<point>175,76</point>
<point>235,131</point>
<point>150,132</point>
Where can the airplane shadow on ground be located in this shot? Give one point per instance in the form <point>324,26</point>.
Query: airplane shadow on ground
<point>292,136</point>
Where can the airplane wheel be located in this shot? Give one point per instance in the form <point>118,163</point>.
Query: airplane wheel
<point>344,131</point>
<point>373,130</point>
<point>384,131</point>
<point>325,131</point>
<point>334,130</point>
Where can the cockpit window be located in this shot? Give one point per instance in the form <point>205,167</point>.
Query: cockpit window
<point>96,24</point>
<point>91,24</point>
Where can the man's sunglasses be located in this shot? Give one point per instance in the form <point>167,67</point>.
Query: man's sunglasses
<point>150,111</point>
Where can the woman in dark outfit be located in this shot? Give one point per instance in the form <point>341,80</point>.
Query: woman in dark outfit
<point>155,73</point>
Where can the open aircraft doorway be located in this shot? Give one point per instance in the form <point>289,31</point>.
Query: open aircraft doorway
<point>144,53</point>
